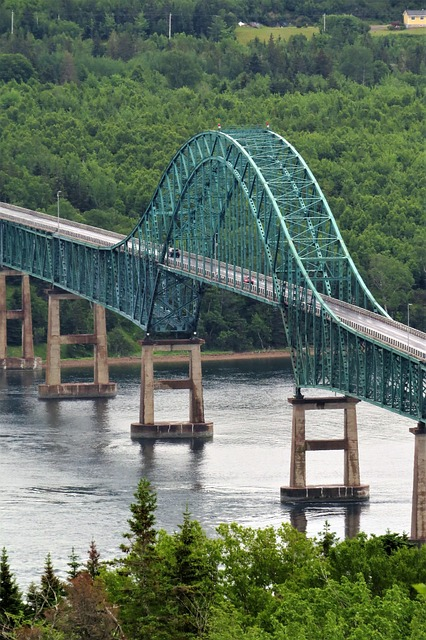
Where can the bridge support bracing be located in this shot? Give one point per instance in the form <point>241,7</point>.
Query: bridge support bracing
<point>196,426</point>
<point>101,387</point>
<point>351,490</point>
<point>418,507</point>
<point>27,359</point>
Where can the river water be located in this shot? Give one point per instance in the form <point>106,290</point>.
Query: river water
<point>69,469</point>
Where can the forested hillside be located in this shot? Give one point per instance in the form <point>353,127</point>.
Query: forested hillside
<point>95,99</point>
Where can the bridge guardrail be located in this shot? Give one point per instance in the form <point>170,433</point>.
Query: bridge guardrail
<point>386,339</point>
<point>38,224</point>
<point>371,314</point>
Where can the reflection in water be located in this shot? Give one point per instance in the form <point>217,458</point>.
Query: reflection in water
<point>23,377</point>
<point>53,412</point>
<point>101,412</point>
<point>194,465</point>
<point>352,520</point>
<point>299,516</point>
<point>148,456</point>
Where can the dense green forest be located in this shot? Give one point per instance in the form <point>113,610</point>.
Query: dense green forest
<point>244,584</point>
<point>99,18</point>
<point>95,99</point>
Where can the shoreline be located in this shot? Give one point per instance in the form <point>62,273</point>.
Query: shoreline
<point>245,355</point>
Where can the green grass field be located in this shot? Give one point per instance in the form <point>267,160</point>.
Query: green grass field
<point>421,31</point>
<point>246,34</point>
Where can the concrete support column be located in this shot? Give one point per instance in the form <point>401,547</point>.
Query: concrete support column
<point>146,411</point>
<point>351,458</point>
<point>101,370</point>
<point>53,349</point>
<point>418,507</point>
<point>298,448</point>
<point>148,427</point>
<point>3,317</point>
<point>27,359</point>
<point>196,402</point>
<point>53,387</point>
<point>27,320</point>
<point>351,490</point>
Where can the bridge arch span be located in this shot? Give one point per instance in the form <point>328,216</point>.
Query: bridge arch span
<point>241,210</point>
<point>201,204</point>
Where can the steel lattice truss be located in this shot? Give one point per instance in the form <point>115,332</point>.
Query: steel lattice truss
<point>236,202</point>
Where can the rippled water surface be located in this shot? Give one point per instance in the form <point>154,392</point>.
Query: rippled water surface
<point>68,469</point>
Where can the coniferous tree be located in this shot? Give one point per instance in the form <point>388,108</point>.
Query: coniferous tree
<point>142,604</point>
<point>92,564</point>
<point>34,601</point>
<point>74,565</point>
<point>193,578</point>
<point>10,596</point>
<point>51,587</point>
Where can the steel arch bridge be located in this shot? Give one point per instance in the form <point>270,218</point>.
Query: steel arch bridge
<point>241,210</point>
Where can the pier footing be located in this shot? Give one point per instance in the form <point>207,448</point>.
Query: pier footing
<point>20,363</point>
<point>328,493</point>
<point>172,430</point>
<point>77,391</point>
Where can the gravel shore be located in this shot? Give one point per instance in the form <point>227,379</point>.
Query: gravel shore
<point>246,355</point>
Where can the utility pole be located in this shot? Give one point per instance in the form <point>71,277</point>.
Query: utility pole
<point>57,198</point>
<point>11,23</point>
<point>323,17</point>
<point>410,304</point>
<point>170,25</point>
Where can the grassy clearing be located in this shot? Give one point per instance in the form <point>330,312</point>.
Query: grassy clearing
<point>421,31</point>
<point>246,34</point>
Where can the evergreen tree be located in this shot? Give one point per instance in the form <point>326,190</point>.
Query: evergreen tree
<point>142,534</point>
<point>142,604</point>
<point>73,564</point>
<point>49,593</point>
<point>10,596</point>
<point>193,578</point>
<point>92,564</point>
<point>34,600</point>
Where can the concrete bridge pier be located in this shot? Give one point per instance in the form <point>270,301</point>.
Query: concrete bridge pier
<point>351,490</point>
<point>418,507</point>
<point>196,426</point>
<point>101,387</point>
<point>27,359</point>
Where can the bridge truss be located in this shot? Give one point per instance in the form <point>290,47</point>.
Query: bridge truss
<point>241,210</point>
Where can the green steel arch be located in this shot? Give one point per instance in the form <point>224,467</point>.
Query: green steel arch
<point>241,210</point>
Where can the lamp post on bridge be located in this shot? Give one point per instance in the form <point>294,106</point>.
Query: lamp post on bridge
<point>410,304</point>
<point>58,193</point>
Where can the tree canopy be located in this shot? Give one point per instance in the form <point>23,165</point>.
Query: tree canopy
<point>245,584</point>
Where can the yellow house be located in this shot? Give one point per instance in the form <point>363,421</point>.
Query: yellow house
<point>414,18</point>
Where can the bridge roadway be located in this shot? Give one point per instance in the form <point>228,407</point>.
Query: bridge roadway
<point>380,328</point>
